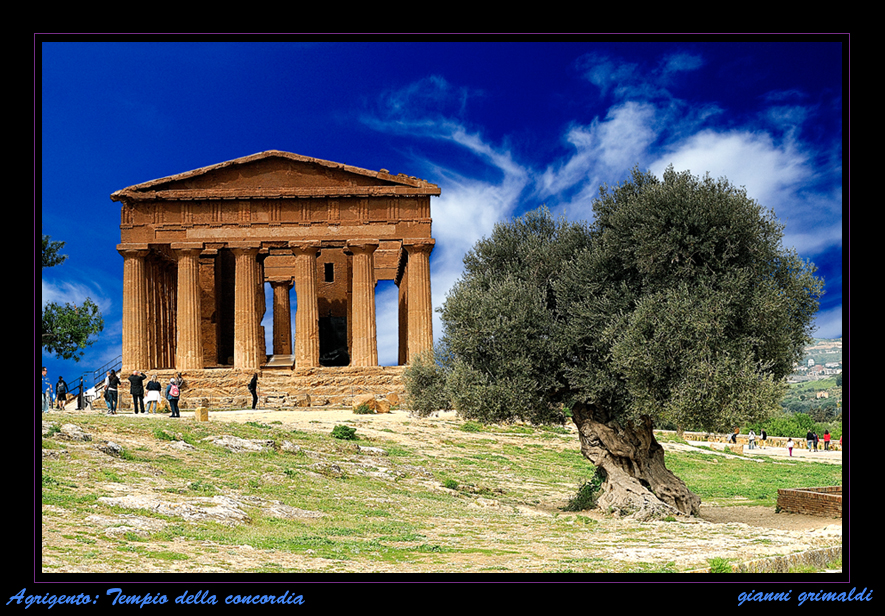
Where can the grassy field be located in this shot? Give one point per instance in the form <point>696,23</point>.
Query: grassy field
<point>410,496</point>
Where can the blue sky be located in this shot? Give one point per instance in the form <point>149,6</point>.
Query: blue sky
<point>502,128</point>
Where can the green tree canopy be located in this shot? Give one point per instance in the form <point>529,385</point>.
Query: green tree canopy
<point>677,303</point>
<point>67,329</point>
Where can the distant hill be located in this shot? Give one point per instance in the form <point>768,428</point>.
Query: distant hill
<point>823,359</point>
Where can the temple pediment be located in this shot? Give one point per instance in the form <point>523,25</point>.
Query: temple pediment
<point>276,174</point>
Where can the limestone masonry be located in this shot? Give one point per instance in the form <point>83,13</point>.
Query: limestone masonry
<point>198,248</point>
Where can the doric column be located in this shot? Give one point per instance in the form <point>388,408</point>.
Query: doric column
<point>189,338</point>
<point>307,321</point>
<point>365,343</point>
<point>135,322</point>
<point>248,351</point>
<point>420,303</point>
<point>282,317</point>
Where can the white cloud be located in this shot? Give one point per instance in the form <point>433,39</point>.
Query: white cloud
<point>776,168</point>
<point>778,175</point>
<point>602,149</point>
<point>72,291</point>
<point>746,158</point>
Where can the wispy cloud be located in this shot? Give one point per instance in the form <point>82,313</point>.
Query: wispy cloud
<point>74,291</point>
<point>473,200</point>
<point>642,123</point>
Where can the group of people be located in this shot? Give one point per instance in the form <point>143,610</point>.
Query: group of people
<point>751,438</point>
<point>812,440</point>
<point>137,388</point>
<point>60,397</point>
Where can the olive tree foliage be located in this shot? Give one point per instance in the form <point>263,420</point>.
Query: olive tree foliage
<point>677,304</point>
<point>67,329</point>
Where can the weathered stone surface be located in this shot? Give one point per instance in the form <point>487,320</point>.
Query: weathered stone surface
<point>198,247</point>
<point>240,445</point>
<point>73,432</point>
<point>367,400</point>
<point>111,448</point>
<point>219,508</point>
<point>298,388</point>
<point>290,447</point>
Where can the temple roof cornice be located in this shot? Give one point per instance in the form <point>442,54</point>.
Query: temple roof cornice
<point>291,175</point>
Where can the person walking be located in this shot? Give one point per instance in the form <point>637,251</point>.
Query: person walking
<point>61,391</point>
<point>153,395</point>
<point>790,446</point>
<point>173,393</point>
<point>751,437</point>
<point>762,438</point>
<point>809,441</point>
<point>136,388</point>
<point>112,382</point>
<point>253,389</point>
<point>45,392</point>
<point>826,440</point>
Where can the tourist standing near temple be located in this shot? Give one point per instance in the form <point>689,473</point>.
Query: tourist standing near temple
<point>153,395</point>
<point>45,392</point>
<point>253,389</point>
<point>173,393</point>
<point>110,391</point>
<point>61,391</point>
<point>136,388</point>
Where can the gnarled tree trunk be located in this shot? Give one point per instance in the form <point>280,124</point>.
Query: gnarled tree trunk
<point>636,481</point>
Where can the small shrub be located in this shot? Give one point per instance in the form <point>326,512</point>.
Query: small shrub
<point>471,426</point>
<point>425,382</point>
<point>719,565</point>
<point>344,433</point>
<point>588,494</point>
<point>161,434</point>
<point>363,409</point>
<point>451,484</point>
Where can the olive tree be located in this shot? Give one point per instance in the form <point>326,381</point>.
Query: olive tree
<point>677,304</point>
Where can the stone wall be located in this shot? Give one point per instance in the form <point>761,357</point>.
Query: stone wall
<point>226,388</point>
<point>825,501</point>
<point>799,442</point>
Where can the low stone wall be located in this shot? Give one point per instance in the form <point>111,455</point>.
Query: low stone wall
<point>742,439</point>
<point>226,388</point>
<point>819,559</point>
<point>825,501</point>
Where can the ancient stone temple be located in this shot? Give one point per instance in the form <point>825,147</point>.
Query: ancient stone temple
<point>198,248</point>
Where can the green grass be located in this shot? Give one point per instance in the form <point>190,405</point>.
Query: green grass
<point>756,481</point>
<point>404,517</point>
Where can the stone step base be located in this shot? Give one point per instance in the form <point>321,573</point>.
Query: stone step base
<point>278,388</point>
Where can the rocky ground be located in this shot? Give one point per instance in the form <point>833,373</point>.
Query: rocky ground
<point>740,532</point>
